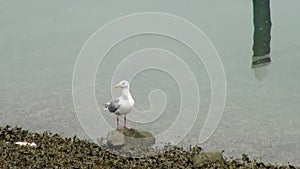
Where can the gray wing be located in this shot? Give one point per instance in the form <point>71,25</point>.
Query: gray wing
<point>112,106</point>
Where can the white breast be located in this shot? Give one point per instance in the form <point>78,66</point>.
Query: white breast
<point>126,105</point>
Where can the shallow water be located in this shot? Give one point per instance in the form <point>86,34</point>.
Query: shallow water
<point>40,43</point>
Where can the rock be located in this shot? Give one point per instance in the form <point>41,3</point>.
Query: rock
<point>115,138</point>
<point>204,159</point>
<point>130,138</point>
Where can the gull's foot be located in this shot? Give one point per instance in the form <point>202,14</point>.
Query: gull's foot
<point>122,127</point>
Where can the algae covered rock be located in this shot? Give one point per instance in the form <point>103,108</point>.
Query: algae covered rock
<point>56,151</point>
<point>130,138</point>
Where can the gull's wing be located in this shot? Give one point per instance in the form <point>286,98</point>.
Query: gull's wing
<point>112,106</point>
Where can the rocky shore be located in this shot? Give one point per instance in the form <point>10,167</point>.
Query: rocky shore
<point>23,149</point>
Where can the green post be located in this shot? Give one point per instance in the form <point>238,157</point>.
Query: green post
<point>262,33</point>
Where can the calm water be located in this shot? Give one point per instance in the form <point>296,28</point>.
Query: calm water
<point>40,42</point>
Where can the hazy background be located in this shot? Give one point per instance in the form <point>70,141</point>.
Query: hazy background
<point>40,42</point>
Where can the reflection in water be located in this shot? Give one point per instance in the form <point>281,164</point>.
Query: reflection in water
<point>260,65</point>
<point>260,72</point>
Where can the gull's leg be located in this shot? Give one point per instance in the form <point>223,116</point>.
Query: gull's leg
<point>125,126</point>
<point>117,121</point>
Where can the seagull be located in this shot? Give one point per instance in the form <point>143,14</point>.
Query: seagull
<point>123,104</point>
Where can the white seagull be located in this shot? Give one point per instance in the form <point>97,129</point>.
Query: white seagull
<point>122,105</point>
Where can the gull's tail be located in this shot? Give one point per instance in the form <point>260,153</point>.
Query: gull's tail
<point>111,106</point>
<point>106,105</point>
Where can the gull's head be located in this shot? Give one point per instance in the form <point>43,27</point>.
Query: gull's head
<point>123,84</point>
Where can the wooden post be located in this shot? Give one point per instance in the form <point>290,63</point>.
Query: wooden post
<point>262,33</point>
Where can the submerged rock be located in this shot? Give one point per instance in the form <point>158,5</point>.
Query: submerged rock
<point>130,138</point>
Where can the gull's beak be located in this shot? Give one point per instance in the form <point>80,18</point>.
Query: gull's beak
<point>116,86</point>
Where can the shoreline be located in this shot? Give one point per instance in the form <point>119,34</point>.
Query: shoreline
<point>47,150</point>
